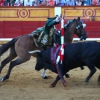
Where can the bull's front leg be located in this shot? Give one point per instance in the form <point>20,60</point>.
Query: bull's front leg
<point>61,73</point>
<point>55,82</point>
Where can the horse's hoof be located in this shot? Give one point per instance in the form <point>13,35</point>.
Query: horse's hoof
<point>46,77</point>
<point>67,76</point>
<point>1,79</point>
<point>86,83</point>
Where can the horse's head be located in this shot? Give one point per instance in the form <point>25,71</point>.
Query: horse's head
<point>75,27</point>
<point>80,31</point>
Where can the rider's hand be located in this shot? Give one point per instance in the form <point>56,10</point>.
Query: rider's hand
<point>58,19</point>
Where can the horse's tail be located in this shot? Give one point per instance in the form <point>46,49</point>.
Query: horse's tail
<point>7,45</point>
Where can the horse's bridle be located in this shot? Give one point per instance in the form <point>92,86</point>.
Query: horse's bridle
<point>78,26</point>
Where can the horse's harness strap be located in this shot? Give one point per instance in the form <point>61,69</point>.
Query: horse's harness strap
<point>78,26</point>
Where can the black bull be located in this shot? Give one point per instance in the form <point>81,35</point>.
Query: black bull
<point>75,55</point>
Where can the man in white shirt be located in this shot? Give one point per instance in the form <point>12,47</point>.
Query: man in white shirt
<point>28,2</point>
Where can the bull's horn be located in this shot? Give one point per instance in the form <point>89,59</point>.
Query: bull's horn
<point>34,51</point>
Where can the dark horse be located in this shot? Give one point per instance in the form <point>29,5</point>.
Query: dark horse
<point>20,46</point>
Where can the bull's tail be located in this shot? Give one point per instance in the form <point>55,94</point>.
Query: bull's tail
<point>7,45</point>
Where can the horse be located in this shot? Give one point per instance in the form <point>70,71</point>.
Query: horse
<point>20,46</point>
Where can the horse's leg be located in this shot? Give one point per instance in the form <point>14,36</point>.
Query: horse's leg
<point>92,68</point>
<point>44,70</point>
<point>11,56</point>
<point>12,64</point>
<point>44,74</point>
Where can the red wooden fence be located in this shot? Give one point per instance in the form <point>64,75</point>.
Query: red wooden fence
<point>11,29</point>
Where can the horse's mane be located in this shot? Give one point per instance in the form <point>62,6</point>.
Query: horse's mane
<point>73,20</point>
<point>69,24</point>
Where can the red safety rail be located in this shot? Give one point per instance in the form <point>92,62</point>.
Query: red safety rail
<point>11,29</point>
<point>93,29</point>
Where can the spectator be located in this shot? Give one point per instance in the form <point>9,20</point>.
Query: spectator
<point>51,3</point>
<point>60,3</point>
<point>1,2</point>
<point>82,2</point>
<point>6,3</point>
<point>12,2</point>
<point>99,2</point>
<point>95,2</point>
<point>87,2</point>
<point>35,2</point>
<point>70,3</point>
<point>78,3</point>
<point>28,2</point>
<point>42,3</point>
<point>17,3</point>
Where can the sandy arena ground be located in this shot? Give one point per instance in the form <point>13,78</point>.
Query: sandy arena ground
<point>26,84</point>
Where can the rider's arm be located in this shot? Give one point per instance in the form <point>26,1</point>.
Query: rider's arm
<point>57,20</point>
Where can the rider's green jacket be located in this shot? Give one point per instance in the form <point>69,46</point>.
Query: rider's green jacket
<point>47,31</point>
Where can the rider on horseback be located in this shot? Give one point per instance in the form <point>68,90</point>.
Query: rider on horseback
<point>47,31</point>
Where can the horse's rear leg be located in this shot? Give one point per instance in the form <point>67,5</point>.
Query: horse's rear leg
<point>11,56</point>
<point>12,64</point>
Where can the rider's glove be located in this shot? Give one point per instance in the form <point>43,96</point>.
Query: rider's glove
<point>57,19</point>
